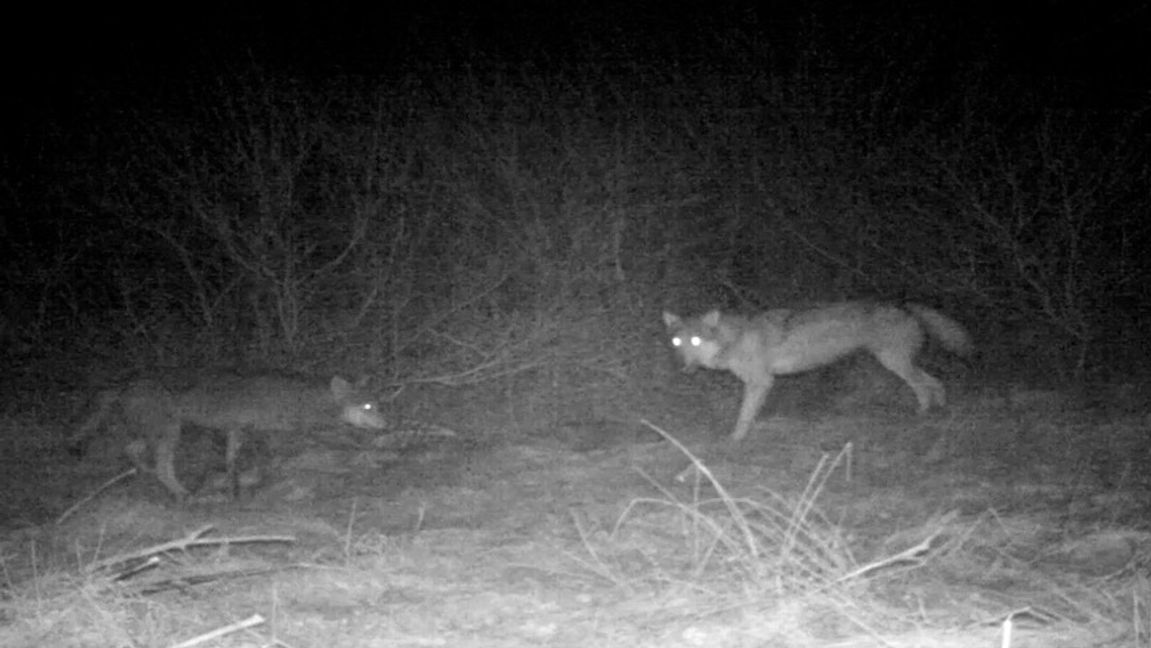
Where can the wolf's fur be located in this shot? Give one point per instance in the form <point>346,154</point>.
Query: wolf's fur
<point>783,341</point>
<point>157,410</point>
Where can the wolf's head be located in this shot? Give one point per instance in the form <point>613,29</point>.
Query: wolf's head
<point>357,408</point>
<point>695,339</point>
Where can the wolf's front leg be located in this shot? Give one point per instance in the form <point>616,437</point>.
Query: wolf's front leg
<point>166,446</point>
<point>754,393</point>
<point>231,455</point>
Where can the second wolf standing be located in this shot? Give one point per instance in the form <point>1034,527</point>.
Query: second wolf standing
<point>783,341</point>
<point>233,404</point>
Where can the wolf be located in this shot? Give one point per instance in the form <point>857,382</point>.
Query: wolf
<point>158,409</point>
<point>784,341</point>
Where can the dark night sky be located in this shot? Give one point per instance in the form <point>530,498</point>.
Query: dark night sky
<point>53,53</point>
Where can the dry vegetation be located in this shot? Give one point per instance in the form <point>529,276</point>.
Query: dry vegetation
<point>589,540</point>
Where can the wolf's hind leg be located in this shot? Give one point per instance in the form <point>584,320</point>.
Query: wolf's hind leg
<point>928,390</point>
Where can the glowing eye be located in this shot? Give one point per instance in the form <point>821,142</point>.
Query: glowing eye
<point>695,341</point>
<point>675,341</point>
<point>368,407</point>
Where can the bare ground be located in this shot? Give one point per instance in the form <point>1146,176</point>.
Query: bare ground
<point>1014,521</point>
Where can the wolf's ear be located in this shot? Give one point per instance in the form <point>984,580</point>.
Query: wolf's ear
<point>340,387</point>
<point>671,321</point>
<point>711,319</point>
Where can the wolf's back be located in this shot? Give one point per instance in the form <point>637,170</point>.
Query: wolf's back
<point>269,403</point>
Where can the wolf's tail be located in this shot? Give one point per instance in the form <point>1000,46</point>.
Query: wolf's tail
<point>949,332</point>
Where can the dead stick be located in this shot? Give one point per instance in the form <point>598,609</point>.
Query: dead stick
<point>908,555</point>
<point>191,540</point>
<point>251,621</point>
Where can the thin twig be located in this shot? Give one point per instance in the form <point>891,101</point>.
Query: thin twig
<point>75,507</point>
